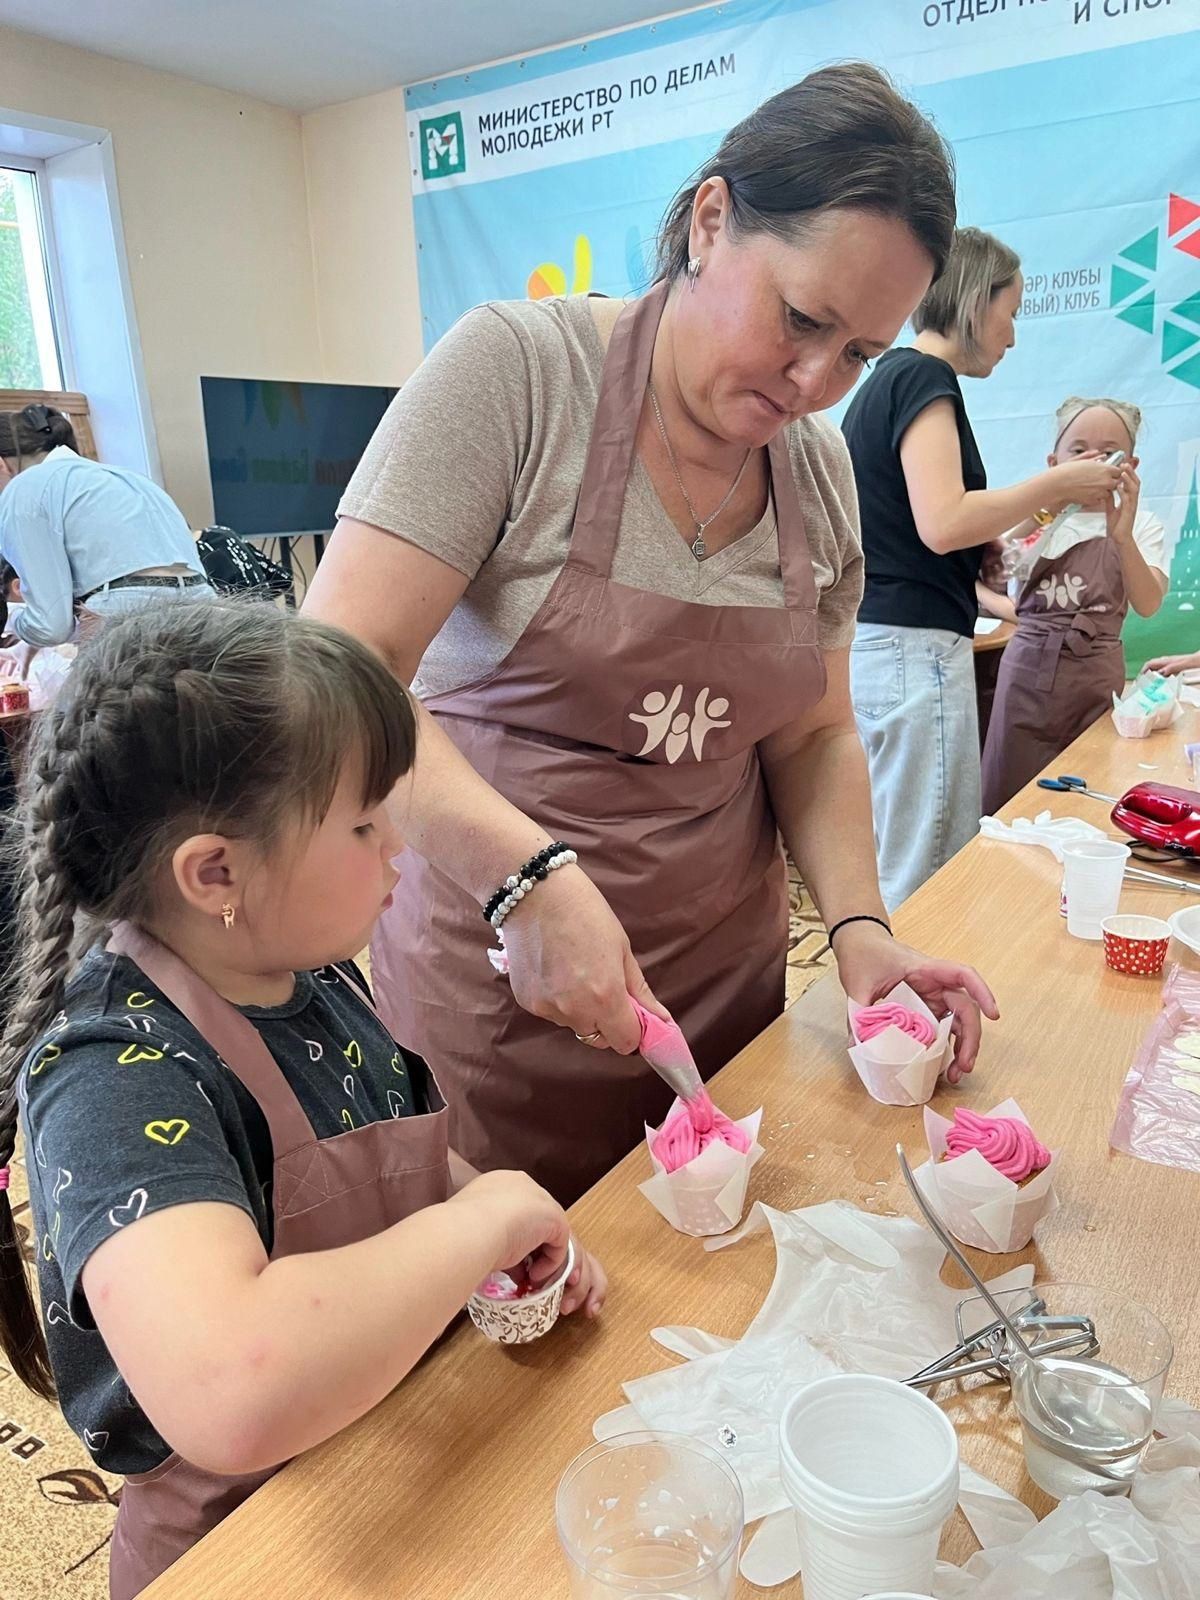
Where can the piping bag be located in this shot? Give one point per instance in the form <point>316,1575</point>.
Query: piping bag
<point>665,1049</point>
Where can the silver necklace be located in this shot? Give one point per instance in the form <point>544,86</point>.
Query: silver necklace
<point>698,547</point>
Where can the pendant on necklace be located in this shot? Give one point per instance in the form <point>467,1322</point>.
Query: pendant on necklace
<point>699,549</point>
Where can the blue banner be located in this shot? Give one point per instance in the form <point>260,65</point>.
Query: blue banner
<point>1075,125</point>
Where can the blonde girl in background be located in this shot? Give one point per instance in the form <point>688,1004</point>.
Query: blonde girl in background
<point>1066,660</point>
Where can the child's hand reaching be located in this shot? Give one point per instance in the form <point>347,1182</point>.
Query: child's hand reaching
<point>523,1221</point>
<point>587,1286</point>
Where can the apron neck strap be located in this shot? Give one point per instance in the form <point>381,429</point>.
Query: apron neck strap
<point>238,1044</point>
<point>623,383</point>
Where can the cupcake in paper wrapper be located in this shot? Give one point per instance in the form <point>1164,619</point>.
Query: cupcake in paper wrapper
<point>898,1068</point>
<point>979,1205</point>
<point>706,1195</point>
<point>521,1321</point>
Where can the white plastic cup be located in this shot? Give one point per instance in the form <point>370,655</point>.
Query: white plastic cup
<point>1093,872</point>
<point>871,1467</point>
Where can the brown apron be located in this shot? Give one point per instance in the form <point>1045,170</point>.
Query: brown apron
<point>326,1193</point>
<point>627,724</point>
<point>1061,667</point>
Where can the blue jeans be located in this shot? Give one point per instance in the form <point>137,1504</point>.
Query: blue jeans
<point>914,701</point>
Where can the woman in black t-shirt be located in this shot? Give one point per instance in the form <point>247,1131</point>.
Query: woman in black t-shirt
<point>927,516</point>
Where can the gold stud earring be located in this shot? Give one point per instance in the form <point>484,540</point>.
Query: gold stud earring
<point>228,916</point>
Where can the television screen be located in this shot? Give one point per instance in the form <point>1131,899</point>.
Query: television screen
<point>280,454</point>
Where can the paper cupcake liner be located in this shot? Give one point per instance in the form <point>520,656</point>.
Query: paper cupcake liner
<point>522,1321</point>
<point>707,1195</point>
<point>979,1205</point>
<point>894,1068</point>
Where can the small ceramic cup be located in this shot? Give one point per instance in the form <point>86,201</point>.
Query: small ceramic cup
<point>1136,945</point>
<point>522,1321</point>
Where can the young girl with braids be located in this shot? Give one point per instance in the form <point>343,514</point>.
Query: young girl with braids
<point>247,1228</point>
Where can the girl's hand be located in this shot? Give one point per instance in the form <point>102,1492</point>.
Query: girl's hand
<point>520,1220</point>
<point>871,963</point>
<point>1121,509</point>
<point>587,1286</point>
<point>570,962</point>
<point>1169,666</point>
<point>1084,478</point>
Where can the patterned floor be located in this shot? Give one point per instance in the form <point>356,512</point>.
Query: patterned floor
<point>58,1508</point>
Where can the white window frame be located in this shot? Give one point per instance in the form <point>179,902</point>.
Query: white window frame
<point>46,293</point>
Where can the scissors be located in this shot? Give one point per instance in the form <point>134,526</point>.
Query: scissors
<point>1066,784</point>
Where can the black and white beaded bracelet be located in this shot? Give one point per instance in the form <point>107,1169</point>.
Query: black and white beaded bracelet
<point>514,888</point>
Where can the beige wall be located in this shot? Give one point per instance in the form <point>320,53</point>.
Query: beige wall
<point>364,249</point>
<point>215,211</point>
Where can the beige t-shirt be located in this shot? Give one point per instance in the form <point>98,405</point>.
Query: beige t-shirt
<point>479,461</point>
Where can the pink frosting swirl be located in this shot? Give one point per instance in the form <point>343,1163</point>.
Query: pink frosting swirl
<point>874,1019</point>
<point>1006,1143</point>
<point>692,1129</point>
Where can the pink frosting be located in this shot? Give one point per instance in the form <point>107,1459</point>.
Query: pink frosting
<point>874,1019</point>
<point>1006,1143</point>
<point>662,1043</point>
<point>692,1129</point>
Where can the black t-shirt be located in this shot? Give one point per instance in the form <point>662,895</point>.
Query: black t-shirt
<point>907,584</point>
<point>126,1110</point>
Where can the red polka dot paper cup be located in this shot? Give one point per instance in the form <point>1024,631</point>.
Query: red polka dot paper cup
<point>1136,945</point>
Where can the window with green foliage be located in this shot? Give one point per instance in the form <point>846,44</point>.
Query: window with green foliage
<point>28,348</point>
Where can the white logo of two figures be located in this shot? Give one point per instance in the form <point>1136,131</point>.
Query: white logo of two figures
<point>663,720</point>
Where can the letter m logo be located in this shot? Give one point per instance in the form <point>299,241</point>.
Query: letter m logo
<point>443,149</point>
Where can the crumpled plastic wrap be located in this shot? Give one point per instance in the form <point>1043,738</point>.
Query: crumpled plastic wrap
<point>852,1293</point>
<point>1158,1114</point>
<point>1045,829</point>
<point>1151,702</point>
<point>1098,1547</point>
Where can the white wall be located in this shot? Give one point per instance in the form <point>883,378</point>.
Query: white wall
<point>364,248</point>
<point>215,210</point>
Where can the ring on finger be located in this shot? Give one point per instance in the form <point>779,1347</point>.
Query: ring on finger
<point>588,1038</point>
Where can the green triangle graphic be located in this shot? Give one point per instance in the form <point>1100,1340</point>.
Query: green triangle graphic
<point>1143,252</point>
<point>1188,309</point>
<point>1124,284</point>
<point>1175,340</point>
<point>1140,314</point>
<point>1188,372</point>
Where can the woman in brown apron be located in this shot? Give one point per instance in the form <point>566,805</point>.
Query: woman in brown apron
<point>627,569</point>
<point>1066,661</point>
<point>201,1102</point>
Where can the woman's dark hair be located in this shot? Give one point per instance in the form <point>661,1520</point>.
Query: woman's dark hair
<point>841,138</point>
<point>34,432</point>
<point>231,717</point>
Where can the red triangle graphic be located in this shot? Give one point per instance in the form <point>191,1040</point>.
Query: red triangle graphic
<point>1180,212</point>
<point>1191,245</point>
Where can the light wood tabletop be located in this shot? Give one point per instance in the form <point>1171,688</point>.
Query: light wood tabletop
<point>446,1490</point>
<point>981,643</point>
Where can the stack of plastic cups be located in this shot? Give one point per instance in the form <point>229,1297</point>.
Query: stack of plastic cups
<point>872,1469</point>
<point>1093,872</point>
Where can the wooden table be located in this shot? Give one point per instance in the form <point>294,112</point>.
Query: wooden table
<point>446,1490</point>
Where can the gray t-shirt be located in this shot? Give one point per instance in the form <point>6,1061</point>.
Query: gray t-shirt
<point>479,461</point>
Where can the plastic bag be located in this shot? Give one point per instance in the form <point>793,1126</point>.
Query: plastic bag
<point>1158,1115</point>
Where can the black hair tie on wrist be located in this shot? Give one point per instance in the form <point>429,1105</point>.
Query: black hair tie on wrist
<point>862,917</point>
